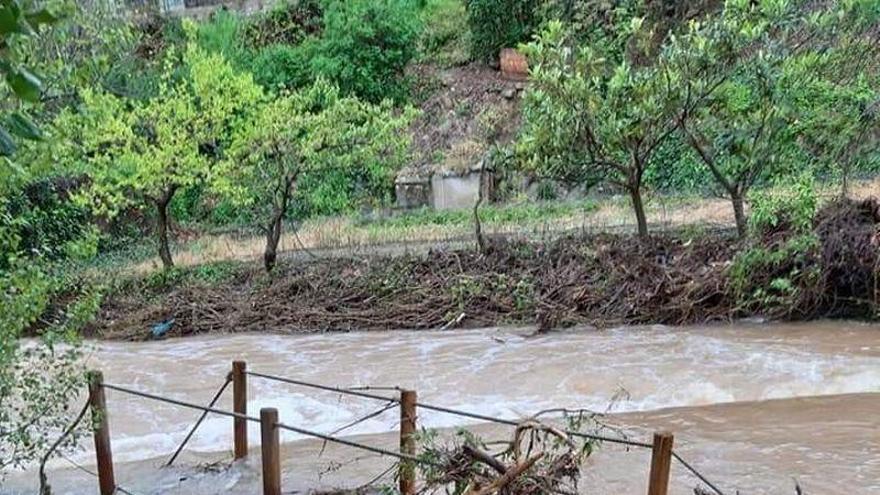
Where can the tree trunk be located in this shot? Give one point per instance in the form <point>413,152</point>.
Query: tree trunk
<point>273,230</point>
<point>635,193</point>
<point>478,226</point>
<point>162,228</point>
<point>739,213</point>
<point>273,237</point>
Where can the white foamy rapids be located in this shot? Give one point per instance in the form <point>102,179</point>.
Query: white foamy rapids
<point>490,372</point>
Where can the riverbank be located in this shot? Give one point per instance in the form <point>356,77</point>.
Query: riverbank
<point>686,277</point>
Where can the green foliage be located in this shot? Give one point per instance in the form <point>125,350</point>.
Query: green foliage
<point>288,22</point>
<point>366,45</point>
<point>446,37</point>
<point>497,24</point>
<point>283,67</point>
<point>42,221</point>
<point>363,48</point>
<point>326,152</point>
<point>139,153</point>
<point>781,265</point>
<point>594,115</point>
<point>209,274</point>
<point>19,26</point>
<point>222,35</point>
<point>788,205</point>
<point>676,168</point>
<point>595,22</point>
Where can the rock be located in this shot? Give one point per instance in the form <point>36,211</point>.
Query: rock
<point>509,93</point>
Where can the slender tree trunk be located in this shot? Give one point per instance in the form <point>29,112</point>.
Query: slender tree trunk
<point>739,213</point>
<point>478,226</point>
<point>276,225</point>
<point>162,228</point>
<point>273,237</point>
<point>635,193</point>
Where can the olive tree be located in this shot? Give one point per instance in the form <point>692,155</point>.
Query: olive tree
<point>140,153</point>
<point>312,133</point>
<point>594,111</point>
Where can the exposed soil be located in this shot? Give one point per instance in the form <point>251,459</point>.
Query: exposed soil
<point>601,280</point>
<point>465,109</point>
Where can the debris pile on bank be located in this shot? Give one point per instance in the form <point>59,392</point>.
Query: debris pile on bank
<point>601,280</point>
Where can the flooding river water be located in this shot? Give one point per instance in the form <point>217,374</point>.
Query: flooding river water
<point>754,407</point>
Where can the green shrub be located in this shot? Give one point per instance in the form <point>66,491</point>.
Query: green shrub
<point>497,24</point>
<point>790,206</point>
<point>780,270</point>
<point>280,67</point>
<point>366,45</point>
<point>222,34</point>
<point>41,220</point>
<point>289,22</point>
<point>446,38</point>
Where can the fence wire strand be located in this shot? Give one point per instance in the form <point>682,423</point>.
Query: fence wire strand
<point>198,422</point>
<point>358,392</point>
<point>86,470</point>
<point>391,402</point>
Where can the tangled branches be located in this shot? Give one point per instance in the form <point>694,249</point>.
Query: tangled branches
<point>601,280</point>
<point>539,458</point>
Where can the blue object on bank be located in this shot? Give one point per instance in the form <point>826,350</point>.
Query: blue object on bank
<point>160,329</point>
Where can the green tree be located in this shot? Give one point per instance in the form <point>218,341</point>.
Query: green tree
<point>38,380</point>
<point>140,153</point>
<point>591,111</point>
<point>366,46</point>
<point>739,122</point>
<point>760,74</point>
<point>838,90</point>
<point>311,133</point>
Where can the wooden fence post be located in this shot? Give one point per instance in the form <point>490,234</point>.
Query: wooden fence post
<point>661,461</point>
<point>239,405</point>
<point>98,404</point>
<point>271,457</point>
<point>407,474</point>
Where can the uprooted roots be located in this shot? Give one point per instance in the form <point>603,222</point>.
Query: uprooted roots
<point>600,280</point>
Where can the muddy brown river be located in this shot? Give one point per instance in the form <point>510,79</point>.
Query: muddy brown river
<point>754,407</point>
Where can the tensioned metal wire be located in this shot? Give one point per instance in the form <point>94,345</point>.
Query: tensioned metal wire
<point>363,393</point>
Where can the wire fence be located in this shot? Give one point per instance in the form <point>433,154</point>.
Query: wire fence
<point>294,429</point>
<point>364,393</point>
<point>491,419</point>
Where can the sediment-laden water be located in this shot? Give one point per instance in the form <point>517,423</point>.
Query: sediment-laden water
<point>754,407</point>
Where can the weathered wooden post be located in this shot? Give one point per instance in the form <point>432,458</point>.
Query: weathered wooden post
<point>239,405</point>
<point>270,448</point>
<point>661,461</point>
<point>407,474</point>
<point>101,425</point>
